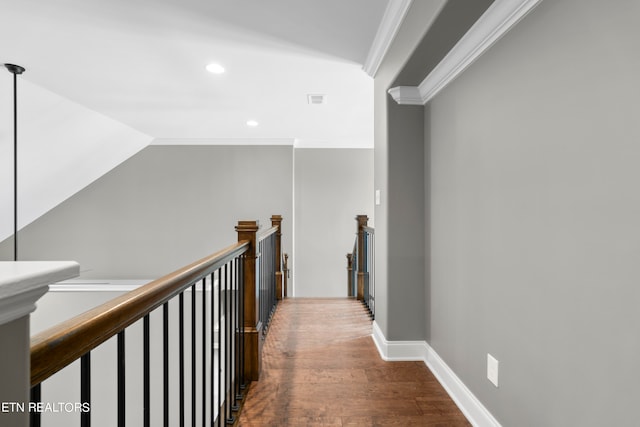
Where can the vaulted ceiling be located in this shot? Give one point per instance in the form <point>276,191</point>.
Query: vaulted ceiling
<point>142,63</point>
<point>105,79</point>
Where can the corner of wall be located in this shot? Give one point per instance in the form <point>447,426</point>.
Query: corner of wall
<point>394,351</point>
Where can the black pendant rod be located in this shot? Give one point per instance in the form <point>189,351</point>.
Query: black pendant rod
<point>15,70</point>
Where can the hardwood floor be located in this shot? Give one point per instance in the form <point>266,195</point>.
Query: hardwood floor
<point>321,368</point>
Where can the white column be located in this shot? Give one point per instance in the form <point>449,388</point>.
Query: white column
<point>22,283</point>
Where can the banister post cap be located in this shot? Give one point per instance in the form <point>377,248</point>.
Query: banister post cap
<point>247,226</point>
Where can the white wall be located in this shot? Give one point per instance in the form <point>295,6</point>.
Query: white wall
<point>58,141</point>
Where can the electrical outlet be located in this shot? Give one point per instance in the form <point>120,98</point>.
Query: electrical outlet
<point>492,369</point>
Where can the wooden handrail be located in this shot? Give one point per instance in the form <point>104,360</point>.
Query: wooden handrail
<point>266,233</point>
<point>60,345</point>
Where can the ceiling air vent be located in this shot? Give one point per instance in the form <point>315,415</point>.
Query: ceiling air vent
<point>316,99</point>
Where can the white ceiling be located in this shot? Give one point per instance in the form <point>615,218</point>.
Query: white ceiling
<point>142,63</point>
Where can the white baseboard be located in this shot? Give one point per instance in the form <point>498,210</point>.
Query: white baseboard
<point>470,406</point>
<point>398,350</point>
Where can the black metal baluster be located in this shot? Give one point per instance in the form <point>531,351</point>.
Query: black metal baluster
<point>204,354</point>
<point>121,380</point>
<point>258,275</point>
<point>36,397</point>
<point>265,288</point>
<point>272,263</point>
<point>181,354</point>
<point>364,267</point>
<point>373,257</point>
<point>223,379</point>
<point>240,286</point>
<point>262,289</point>
<point>234,293</point>
<point>165,362</point>
<point>228,348</point>
<point>265,274</point>
<point>193,354</point>
<point>270,280</point>
<point>146,405</point>
<point>242,336</point>
<point>220,296</point>
<point>85,389</point>
<point>272,277</point>
<point>212,385</point>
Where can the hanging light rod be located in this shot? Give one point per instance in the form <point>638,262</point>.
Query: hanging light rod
<point>15,70</point>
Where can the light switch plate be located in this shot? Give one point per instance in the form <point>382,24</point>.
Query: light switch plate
<point>377,197</point>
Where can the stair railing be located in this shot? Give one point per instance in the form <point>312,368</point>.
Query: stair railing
<point>221,325</point>
<point>360,265</point>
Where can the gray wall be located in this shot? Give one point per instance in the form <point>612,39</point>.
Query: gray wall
<point>170,205</point>
<point>164,208</point>
<point>532,186</point>
<point>394,325</point>
<point>535,207</point>
<point>428,32</point>
<point>406,226</point>
<point>332,186</point>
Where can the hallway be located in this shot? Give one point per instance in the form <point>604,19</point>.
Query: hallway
<point>321,368</point>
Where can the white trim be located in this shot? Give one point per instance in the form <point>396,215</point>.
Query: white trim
<point>397,350</point>
<point>496,21</point>
<point>22,283</point>
<point>468,403</point>
<point>389,25</point>
<point>470,406</point>
<point>97,285</point>
<point>19,305</point>
<point>406,95</point>
<point>121,285</point>
<point>222,141</point>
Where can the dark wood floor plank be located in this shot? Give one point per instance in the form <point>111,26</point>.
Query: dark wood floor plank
<point>321,368</point>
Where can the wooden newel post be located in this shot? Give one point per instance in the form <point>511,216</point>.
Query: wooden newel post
<point>276,221</point>
<point>350,275</point>
<point>252,329</point>
<point>362,222</point>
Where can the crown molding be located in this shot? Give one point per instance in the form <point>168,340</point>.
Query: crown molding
<point>22,283</point>
<point>222,141</point>
<point>497,20</point>
<point>389,25</point>
<point>406,95</point>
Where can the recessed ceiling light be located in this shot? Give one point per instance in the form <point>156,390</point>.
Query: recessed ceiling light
<point>252,123</point>
<point>215,68</point>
